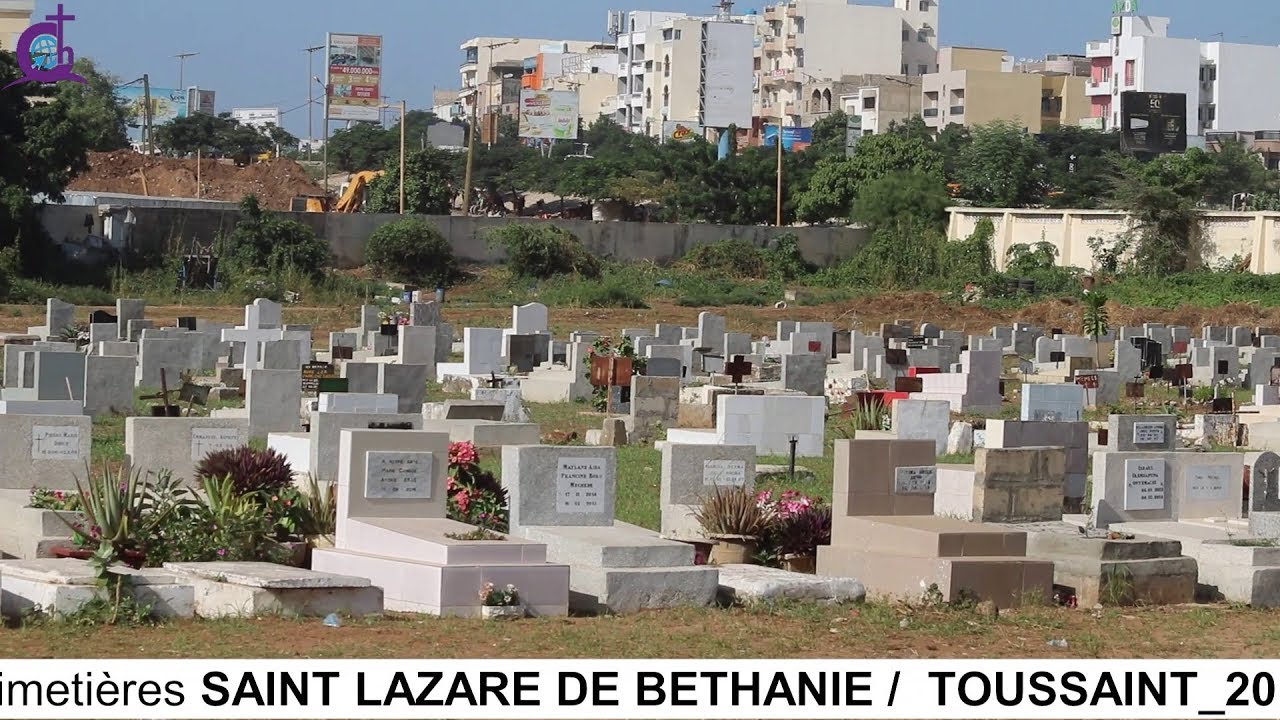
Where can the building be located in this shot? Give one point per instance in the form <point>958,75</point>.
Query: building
<point>15,17</point>
<point>879,101</point>
<point>257,117</point>
<point>446,105</point>
<point>678,69</point>
<point>976,86</point>
<point>1057,64</point>
<point>804,43</point>
<point>593,75</point>
<point>1264,142</point>
<point>1229,86</point>
<point>492,69</point>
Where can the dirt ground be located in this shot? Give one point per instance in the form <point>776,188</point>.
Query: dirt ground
<point>800,631</point>
<point>275,183</point>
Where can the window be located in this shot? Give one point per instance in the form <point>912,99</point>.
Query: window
<point>923,36</point>
<point>677,34</point>
<point>869,102</point>
<point>648,98</point>
<point>1129,67</point>
<point>924,5</point>
<point>906,35</point>
<point>924,69</point>
<point>666,66</point>
<point>668,34</point>
<point>666,96</point>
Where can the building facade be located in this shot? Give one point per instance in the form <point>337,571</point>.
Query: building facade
<point>492,68</point>
<point>882,101</point>
<point>1229,86</point>
<point>593,75</point>
<point>805,44</point>
<point>977,86</point>
<point>15,17</point>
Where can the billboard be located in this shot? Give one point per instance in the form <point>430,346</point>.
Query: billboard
<point>681,132</point>
<point>167,104</point>
<point>355,77</point>
<point>200,101</point>
<point>1153,122</point>
<point>729,71</point>
<point>793,138</point>
<point>549,114</point>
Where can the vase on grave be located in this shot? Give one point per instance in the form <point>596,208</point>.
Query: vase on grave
<point>733,550</point>
<point>501,612</point>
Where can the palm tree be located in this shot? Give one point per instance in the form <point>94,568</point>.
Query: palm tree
<point>1096,320</point>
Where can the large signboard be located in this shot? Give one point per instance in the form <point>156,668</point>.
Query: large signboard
<point>201,101</point>
<point>549,114</point>
<point>1153,123</point>
<point>355,77</point>
<point>681,132</point>
<point>167,104</point>
<point>729,74</point>
<point>793,138</point>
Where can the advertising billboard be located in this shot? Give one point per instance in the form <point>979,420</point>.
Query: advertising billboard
<point>729,74</point>
<point>1153,122</point>
<point>549,114</point>
<point>681,132</point>
<point>200,101</point>
<point>166,103</point>
<point>355,77</point>
<point>793,138</point>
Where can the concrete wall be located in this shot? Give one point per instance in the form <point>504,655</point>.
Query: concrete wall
<point>1227,234</point>
<point>160,228</point>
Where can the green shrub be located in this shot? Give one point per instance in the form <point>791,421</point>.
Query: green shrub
<point>249,469</point>
<point>262,243</point>
<point>412,251</point>
<point>612,292</point>
<point>727,258</point>
<point>544,251</point>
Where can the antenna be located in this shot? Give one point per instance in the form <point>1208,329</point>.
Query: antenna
<point>724,10</point>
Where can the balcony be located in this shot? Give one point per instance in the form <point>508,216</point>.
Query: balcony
<point>793,11</point>
<point>957,109</point>
<point>772,45</point>
<point>1098,87</point>
<point>1098,49</point>
<point>792,42</point>
<point>771,13</point>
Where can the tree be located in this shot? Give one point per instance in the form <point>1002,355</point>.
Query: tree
<point>1166,228</point>
<point>905,197</point>
<point>412,250</point>
<point>1096,320</point>
<point>214,135</point>
<point>429,187</point>
<point>836,181</point>
<point>1002,166</point>
<point>278,136</point>
<point>1078,165</point>
<point>364,146</point>
<point>264,244</point>
<point>95,108</point>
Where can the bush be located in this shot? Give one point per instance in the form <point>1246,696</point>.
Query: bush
<point>251,470</point>
<point>412,251</point>
<point>727,258</point>
<point>544,251</point>
<point>265,243</point>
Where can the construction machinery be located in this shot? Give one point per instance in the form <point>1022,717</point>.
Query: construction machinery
<point>354,194</point>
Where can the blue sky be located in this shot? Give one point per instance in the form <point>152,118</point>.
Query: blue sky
<point>251,50</point>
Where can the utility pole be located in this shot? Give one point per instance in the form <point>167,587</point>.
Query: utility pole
<point>402,162</point>
<point>311,99</point>
<point>182,70</point>
<point>778,139</point>
<point>146,113</point>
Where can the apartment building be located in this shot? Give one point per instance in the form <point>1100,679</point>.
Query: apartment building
<point>1229,86</point>
<point>881,101</point>
<point>674,68</point>
<point>1266,143</point>
<point>593,75</point>
<point>976,86</point>
<point>492,68</point>
<point>807,44</point>
<point>15,17</point>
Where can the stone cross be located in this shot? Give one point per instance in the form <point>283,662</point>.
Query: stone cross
<point>737,369</point>
<point>252,339</point>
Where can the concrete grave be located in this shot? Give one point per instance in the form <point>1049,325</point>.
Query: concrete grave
<point>406,382</point>
<point>922,420</point>
<point>691,474</point>
<point>179,444</point>
<point>273,400</point>
<point>1053,402</point>
<point>47,451</point>
<point>108,385</point>
<point>805,373</point>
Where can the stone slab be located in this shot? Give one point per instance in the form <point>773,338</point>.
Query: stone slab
<point>757,583</point>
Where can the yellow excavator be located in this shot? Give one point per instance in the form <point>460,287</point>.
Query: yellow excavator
<point>351,201</point>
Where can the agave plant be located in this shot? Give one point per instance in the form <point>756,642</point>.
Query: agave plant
<point>732,511</point>
<point>251,470</point>
<point>121,509</point>
<point>322,505</point>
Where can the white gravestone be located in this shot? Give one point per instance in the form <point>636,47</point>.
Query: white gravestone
<point>205,440</point>
<point>724,473</point>
<point>55,442</point>
<point>580,485</point>
<point>1207,483</point>
<point>398,475</point>
<point>1148,433</point>
<point>1144,484</point>
<point>915,480</point>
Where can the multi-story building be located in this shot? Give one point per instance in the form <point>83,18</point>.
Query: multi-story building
<point>1229,86</point>
<point>593,75</point>
<point>1057,64</point>
<point>492,68</point>
<point>976,86</point>
<point>1266,143</point>
<point>446,105</point>
<point>881,100</point>
<point>673,68</point>
<point>15,17</point>
<point>808,42</point>
<point>257,117</point>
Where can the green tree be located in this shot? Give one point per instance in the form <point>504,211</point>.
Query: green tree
<point>363,146</point>
<point>279,137</point>
<point>1002,166</point>
<point>264,244</point>
<point>1078,165</point>
<point>912,197</point>
<point>836,181</point>
<point>1096,320</point>
<point>412,250</point>
<point>102,117</point>
<point>429,188</point>
<point>1166,228</point>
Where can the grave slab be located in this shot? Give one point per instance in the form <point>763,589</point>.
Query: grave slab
<point>254,589</point>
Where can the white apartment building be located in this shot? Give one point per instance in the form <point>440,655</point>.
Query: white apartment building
<point>1229,86</point>
<point>257,117</point>
<point>492,68</point>
<point>814,42</point>
<point>673,68</point>
<point>15,17</point>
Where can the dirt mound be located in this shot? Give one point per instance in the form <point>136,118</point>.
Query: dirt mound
<point>275,182</point>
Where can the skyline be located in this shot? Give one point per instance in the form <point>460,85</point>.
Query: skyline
<point>131,37</point>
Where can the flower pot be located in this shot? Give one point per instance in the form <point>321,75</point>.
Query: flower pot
<point>501,612</point>
<point>806,564</point>
<point>733,550</point>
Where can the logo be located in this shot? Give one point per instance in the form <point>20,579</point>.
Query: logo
<point>43,57</point>
<point>681,133</point>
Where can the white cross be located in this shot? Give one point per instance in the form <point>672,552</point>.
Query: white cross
<point>252,340</point>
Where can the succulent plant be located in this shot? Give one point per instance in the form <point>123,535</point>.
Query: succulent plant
<point>251,470</point>
<point>732,511</point>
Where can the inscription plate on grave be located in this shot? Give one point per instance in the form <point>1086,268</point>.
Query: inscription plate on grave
<point>724,473</point>
<point>1148,433</point>
<point>915,480</point>
<point>398,475</point>
<point>1207,483</point>
<point>1144,483</point>
<point>580,486</point>
<point>61,442</point>
<point>312,373</point>
<point>205,440</point>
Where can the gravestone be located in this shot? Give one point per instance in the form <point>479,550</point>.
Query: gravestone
<point>128,309</point>
<point>1264,494</point>
<point>691,474</point>
<point>923,420</point>
<point>180,444</point>
<point>48,451</point>
<point>806,373</point>
<point>531,319</point>
<point>312,372</point>
<point>108,385</point>
<point>663,367</point>
<point>58,316</point>
<point>1060,402</point>
<point>263,313</point>
<point>406,382</point>
<point>417,345</point>
<point>273,399</point>
<point>361,377</point>
<point>711,329</point>
<point>560,486</point>
<point>528,351</point>
<point>59,375</point>
<point>172,355</point>
<point>281,355</point>
<point>1129,433</point>
<point>482,351</point>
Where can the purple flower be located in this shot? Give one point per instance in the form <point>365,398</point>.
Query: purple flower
<point>222,552</point>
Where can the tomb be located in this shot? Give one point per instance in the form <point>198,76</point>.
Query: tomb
<point>766,422</point>
<point>563,497</point>
<point>393,529</point>
<point>884,533</point>
<point>179,444</point>
<point>253,589</point>
<point>1072,436</point>
<point>60,587</point>
<point>46,451</point>
<point>1004,486</point>
<point>690,474</point>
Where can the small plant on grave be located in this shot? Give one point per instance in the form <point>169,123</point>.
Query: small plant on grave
<point>800,535</point>
<point>475,495</point>
<point>479,534</point>
<point>290,516</point>
<point>605,347</point>
<point>322,508</point>
<point>1117,587</point>
<point>732,512</point>
<point>493,596</point>
<point>222,525</point>
<point>46,499</point>
<point>251,470</point>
